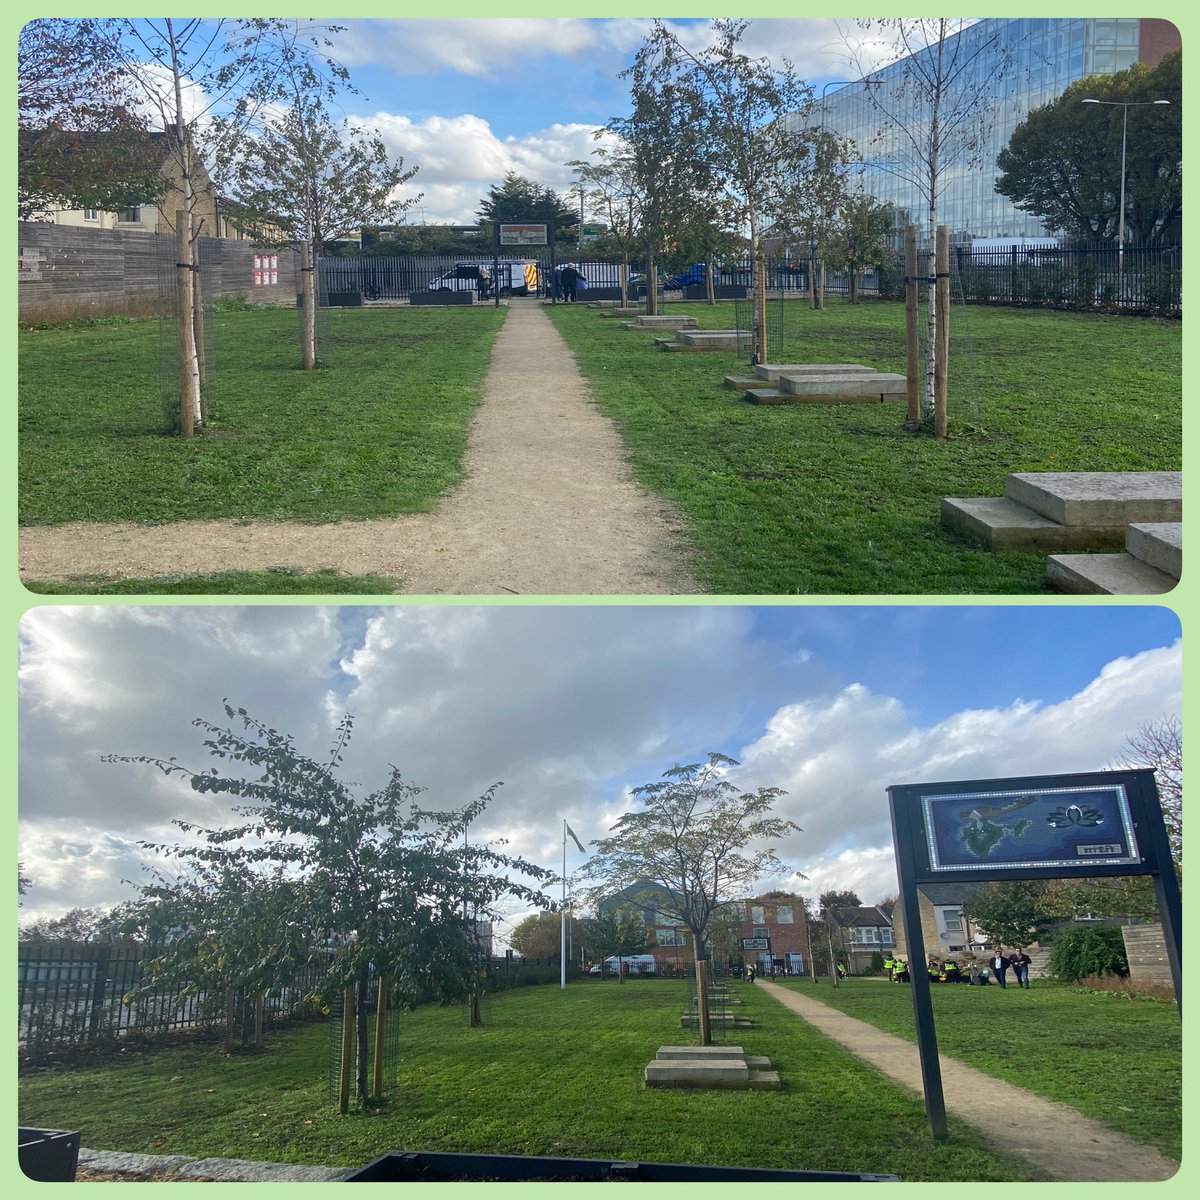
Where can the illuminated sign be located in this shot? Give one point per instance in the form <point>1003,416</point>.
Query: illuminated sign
<point>1030,827</point>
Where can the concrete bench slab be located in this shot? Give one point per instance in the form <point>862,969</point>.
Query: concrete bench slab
<point>648,322</point>
<point>1100,498</point>
<point>844,384</point>
<point>768,396</point>
<point>1000,524</point>
<point>715,339</point>
<point>700,1052</point>
<point>1159,545</point>
<point>770,372</point>
<point>1106,575</point>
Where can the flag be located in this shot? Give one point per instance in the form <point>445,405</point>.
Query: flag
<point>574,838</point>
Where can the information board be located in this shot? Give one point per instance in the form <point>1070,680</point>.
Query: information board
<point>524,235</point>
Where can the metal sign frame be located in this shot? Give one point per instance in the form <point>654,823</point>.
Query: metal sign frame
<point>947,832</point>
<point>509,234</point>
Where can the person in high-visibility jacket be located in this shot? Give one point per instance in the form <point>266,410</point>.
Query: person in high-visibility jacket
<point>950,972</point>
<point>889,964</point>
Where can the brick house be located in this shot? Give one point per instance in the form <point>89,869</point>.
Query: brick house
<point>864,931</point>
<point>776,919</point>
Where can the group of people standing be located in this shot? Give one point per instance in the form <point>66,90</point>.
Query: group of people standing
<point>950,970</point>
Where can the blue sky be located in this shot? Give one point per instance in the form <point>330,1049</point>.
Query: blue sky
<point>571,707</point>
<point>468,99</point>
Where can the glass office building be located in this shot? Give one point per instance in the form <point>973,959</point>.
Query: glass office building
<point>1017,65</point>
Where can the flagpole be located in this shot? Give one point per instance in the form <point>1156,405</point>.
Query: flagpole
<point>563,951</point>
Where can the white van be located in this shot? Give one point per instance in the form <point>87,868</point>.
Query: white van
<point>638,964</point>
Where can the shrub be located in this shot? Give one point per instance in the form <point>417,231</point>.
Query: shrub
<point>1095,950</point>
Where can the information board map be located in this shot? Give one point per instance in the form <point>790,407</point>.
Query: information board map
<point>524,235</point>
<point>1056,827</point>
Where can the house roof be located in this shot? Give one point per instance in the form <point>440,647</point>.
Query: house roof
<point>865,915</point>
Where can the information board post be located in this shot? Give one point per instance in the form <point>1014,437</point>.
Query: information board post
<point>1098,824</point>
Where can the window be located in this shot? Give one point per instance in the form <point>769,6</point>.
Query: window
<point>761,931</point>
<point>91,214</point>
<point>670,937</point>
<point>756,915</point>
<point>952,920</point>
<point>862,935</point>
<point>130,216</point>
<point>784,915</point>
<point>886,938</point>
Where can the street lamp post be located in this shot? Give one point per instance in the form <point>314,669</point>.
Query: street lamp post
<point>1126,105</point>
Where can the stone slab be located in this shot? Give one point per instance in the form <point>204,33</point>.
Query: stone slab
<point>1159,545</point>
<point>715,339</point>
<point>764,1081</point>
<point>742,383</point>
<point>619,312</point>
<point>770,372</point>
<point>700,1052</point>
<point>1000,524</point>
<point>1100,498</point>
<point>647,322</point>
<point>1106,575</point>
<point>705,1071</point>
<point>866,383</point>
<point>691,1020</point>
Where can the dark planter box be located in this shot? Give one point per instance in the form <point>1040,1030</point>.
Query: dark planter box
<point>335,300</point>
<point>48,1155</point>
<point>402,1166</point>
<point>721,291</point>
<point>463,297</point>
<point>601,293</point>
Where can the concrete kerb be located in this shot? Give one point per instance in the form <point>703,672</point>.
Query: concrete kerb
<point>227,1170</point>
<point>1057,1139</point>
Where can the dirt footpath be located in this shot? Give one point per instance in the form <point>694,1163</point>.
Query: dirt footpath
<point>548,507</point>
<point>1063,1143</point>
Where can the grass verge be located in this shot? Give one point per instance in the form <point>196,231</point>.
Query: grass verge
<point>549,1073</point>
<point>1115,1059</point>
<point>839,499</point>
<point>379,430</point>
<point>279,581</point>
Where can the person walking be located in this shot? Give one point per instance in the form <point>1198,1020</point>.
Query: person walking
<point>999,965</point>
<point>570,278</point>
<point>1021,963</point>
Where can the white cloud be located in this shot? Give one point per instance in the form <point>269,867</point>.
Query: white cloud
<point>569,706</point>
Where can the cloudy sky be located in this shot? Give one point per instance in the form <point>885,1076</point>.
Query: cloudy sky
<point>571,707</point>
<point>468,99</point>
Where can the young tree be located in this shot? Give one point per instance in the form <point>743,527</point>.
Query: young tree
<point>696,836</point>
<point>77,925</point>
<point>315,182</point>
<point>934,120</point>
<point>737,104</point>
<point>1159,744</point>
<point>207,82</point>
<point>314,873</point>
<point>1062,162</point>
<point>863,238</point>
<point>81,140</point>
<point>610,188</point>
<point>663,136</point>
<point>24,883</point>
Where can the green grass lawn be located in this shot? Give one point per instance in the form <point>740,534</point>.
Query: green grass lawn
<point>1112,1058</point>
<point>550,1073</point>
<point>814,499</point>
<point>279,581</point>
<point>381,429</point>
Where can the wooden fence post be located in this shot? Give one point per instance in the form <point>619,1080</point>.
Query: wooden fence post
<point>913,356</point>
<point>942,339</point>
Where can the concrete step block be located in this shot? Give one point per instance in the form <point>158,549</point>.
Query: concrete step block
<point>1100,498</point>
<point>1159,545</point>
<point>690,1020</point>
<point>711,1072</point>
<point>770,372</point>
<point>700,1052</point>
<point>676,323</point>
<point>869,383</point>
<point>715,339</point>
<point>767,396</point>
<point>1001,524</point>
<point>1106,575</point>
<point>742,383</point>
<point>764,1081</point>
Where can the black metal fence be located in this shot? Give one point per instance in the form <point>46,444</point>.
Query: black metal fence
<point>1141,278</point>
<point>73,994</point>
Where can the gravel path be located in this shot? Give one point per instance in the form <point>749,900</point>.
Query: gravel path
<point>548,507</point>
<point>1063,1143</point>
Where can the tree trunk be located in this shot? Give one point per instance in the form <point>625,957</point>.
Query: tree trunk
<point>709,287</point>
<point>360,1023</point>
<point>942,362</point>
<point>624,281</point>
<point>651,285</point>
<point>308,293</point>
<point>913,355</point>
<point>759,351</point>
<point>188,398</point>
<point>345,1061</point>
<point>381,1003</point>
<point>702,1021</point>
